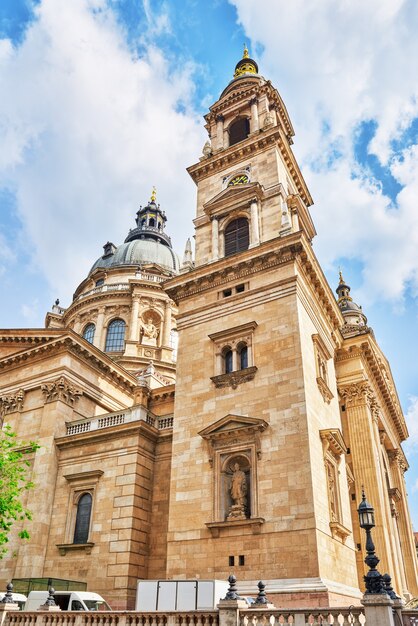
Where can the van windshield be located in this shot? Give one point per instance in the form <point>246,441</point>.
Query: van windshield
<point>97,605</point>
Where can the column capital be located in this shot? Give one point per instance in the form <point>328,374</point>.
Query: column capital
<point>214,218</point>
<point>357,394</point>
<point>61,389</point>
<point>220,118</point>
<point>12,403</point>
<point>253,100</point>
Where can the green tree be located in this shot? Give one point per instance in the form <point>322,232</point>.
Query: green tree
<point>14,470</point>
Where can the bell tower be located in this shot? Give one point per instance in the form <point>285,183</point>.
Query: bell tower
<point>259,480</point>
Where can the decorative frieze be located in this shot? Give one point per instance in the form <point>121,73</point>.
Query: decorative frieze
<point>11,403</point>
<point>62,390</point>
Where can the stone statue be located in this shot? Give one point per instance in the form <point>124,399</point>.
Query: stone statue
<point>238,491</point>
<point>150,330</point>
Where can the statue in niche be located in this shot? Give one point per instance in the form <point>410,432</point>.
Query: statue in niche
<point>149,332</point>
<point>238,493</point>
<point>332,494</point>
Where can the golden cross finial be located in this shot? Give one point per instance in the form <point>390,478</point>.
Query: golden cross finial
<point>246,53</point>
<point>153,194</point>
<point>341,276</point>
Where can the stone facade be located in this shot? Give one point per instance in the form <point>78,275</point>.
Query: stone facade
<point>247,450</point>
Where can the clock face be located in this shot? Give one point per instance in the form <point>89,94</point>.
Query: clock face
<point>241,179</point>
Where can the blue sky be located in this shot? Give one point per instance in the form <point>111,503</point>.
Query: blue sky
<point>102,99</point>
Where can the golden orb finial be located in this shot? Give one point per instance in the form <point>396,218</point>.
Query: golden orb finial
<point>246,54</point>
<point>153,195</point>
<point>341,276</point>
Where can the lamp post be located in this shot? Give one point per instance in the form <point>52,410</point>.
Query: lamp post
<point>373,579</point>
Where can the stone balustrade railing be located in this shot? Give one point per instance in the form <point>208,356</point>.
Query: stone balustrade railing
<point>353,616</point>
<point>104,289</point>
<point>119,417</point>
<point>114,618</point>
<point>410,617</point>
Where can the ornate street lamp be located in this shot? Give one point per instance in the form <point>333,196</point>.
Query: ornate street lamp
<point>373,579</point>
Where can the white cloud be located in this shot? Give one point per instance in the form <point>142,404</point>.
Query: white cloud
<point>411,416</point>
<point>86,130</point>
<point>337,65</point>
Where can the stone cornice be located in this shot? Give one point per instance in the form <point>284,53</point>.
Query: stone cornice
<point>69,340</point>
<point>34,336</point>
<point>369,352</point>
<point>244,149</point>
<point>225,270</point>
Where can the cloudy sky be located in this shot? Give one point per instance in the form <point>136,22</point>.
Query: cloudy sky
<point>102,99</point>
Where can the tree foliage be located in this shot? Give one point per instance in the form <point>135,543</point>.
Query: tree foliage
<point>14,471</point>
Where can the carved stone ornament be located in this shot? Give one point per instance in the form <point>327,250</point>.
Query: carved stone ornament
<point>62,390</point>
<point>11,403</point>
<point>233,379</point>
<point>324,389</point>
<point>357,394</point>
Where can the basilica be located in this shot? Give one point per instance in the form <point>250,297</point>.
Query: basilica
<point>215,413</point>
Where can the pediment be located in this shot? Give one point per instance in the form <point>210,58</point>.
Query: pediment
<point>45,342</point>
<point>233,425</point>
<point>231,196</point>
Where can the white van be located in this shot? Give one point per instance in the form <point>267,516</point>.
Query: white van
<point>19,599</point>
<point>68,601</point>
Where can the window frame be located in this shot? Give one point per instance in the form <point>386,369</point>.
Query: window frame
<point>87,326</point>
<point>122,339</point>
<point>238,241</point>
<point>79,484</point>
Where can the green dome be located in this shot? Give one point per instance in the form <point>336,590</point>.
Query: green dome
<point>140,252</point>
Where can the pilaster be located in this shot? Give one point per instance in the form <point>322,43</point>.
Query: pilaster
<point>398,467</point>
<point>360,405</point>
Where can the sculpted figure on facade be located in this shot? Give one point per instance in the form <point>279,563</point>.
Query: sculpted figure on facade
<point>238,492</point>
<point>149,331</point>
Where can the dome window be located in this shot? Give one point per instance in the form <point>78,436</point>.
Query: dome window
<point>237,236</point>
<point>99,282</point>
<point>88,332</point>
<point>109,249</point>
<point>115,338</point>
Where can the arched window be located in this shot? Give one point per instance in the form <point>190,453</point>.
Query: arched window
<point>88,332</point>
<point>115,338</point>
<point>227,357</point>
<point>237,236</point>
<point>243,356</point>
<point>82,522</point>
<point>239,130</point>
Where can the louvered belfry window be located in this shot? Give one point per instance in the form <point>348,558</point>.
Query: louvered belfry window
<point>237,236</point>
<point>82,522</point>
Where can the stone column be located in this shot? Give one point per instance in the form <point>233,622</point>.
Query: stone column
<point>234,359</point>
<point>255,232</point>
<point>167,324</point>
<point>358,398</point>
<point>133,330</point>
<point>220,131</point>
<point>255,125</point>
<point>398,467</point>
<point>215,239</point>
<point>98,334</point>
